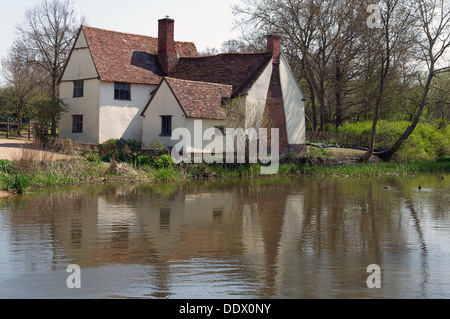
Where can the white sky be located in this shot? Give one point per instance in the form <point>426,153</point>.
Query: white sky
<point>207,23</point>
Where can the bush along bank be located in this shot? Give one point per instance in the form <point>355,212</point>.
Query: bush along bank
<point>19,177</point>
<point>124,162</point>
<point>427,142</point>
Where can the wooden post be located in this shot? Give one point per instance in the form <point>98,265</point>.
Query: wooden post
<point>7,129</point>
<point>29,131</point>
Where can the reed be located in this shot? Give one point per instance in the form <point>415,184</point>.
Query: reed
<point>28,174</point>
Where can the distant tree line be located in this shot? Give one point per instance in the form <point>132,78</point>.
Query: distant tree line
<point>34,64</point>
<point>355,60</point>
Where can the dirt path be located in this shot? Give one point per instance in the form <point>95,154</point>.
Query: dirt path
<point>14,150</point>
<point>346,155</point>
<point>351,154</point>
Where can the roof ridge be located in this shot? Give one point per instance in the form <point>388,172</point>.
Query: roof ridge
<point>129,33</point>
<point>119,32</point>
<point>228,53</point>
<point>200,82</point>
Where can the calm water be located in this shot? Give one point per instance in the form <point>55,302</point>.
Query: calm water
<point>267,238</point>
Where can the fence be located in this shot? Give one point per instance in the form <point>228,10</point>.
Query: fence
<point>346,139</point>
<point>9,128</point>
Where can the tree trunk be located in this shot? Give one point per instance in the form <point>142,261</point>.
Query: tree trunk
<point>322,106</point>
<point>383,75</point>
<point>373,133</point>
<point>54,96</point>
<point>19,116</point>
<point>19,122</point>
<point>386,155</point>
<point>313,104</point>
<point>338,95</point>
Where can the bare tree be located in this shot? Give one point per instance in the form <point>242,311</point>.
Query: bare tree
<point>228,46</point>
<point>319,38</point>
<point>209,51</point>
<point>22,80</point>
<point>48,32</point>
<point>391,45</point>
<point>234,45</point>
<point>433,17</point>
<point>439,99</point>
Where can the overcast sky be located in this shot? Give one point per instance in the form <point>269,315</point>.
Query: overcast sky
<point>208,23</point>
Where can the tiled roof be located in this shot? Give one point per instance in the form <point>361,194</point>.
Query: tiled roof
<point>237,69</point>
<point>124,57</point>
<point>199,99</point>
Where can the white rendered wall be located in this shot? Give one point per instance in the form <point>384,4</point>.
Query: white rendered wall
<point>81,41</point>
<point>86,106</point>
<point>294,106</point>
<point>121,119</point>
<point>256,98</point>
<point>164,103</point>
<point>80,65</point>
<point>205,124</point>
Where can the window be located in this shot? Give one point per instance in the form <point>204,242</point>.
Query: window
<point>78,88</point>
<point>77,124</point>
<point>122,91</point>
<point>166,125</point>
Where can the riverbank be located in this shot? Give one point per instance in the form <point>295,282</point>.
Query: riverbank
<point>5,194</point>
<point>18,177</point>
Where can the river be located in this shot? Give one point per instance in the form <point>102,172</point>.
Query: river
<point>290,238</point>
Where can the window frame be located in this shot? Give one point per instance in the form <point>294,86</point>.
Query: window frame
<point>122,91</point>
<point>77,125</point>
<point>76,90</point>
<point>166,131</point>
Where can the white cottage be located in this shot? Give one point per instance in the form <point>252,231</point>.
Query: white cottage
<point>120,85</point>
<point>107,82</point>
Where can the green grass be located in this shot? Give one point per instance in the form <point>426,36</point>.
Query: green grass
<point>376,169</point>
<point>15,182</point>
<point>168,174</point>
<point>427,142</point>
<point>19,178</point>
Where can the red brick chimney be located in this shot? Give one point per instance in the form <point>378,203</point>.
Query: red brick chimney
<point>274,113</point>
<point>167,56</point>
<point>274,47</point>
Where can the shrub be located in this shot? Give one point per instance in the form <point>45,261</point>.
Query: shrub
<point>145,160</point>
<point>427,141</point>
<point>156,145</point>
<point>288,158</point>
<point>17,183</point>
<point>93,158</point>
<point>6,167</point>
<point>163,161</point>
<point>168,174</point>
<point>120,150</point>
